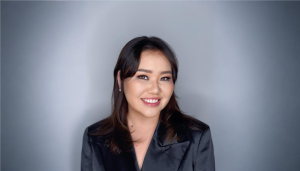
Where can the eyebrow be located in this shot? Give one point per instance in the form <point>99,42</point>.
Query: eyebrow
<point>149,71</point>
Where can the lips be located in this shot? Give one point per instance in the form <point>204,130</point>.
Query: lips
<point>151,101</point>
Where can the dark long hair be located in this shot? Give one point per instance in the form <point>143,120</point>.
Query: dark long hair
<point>115,128</point>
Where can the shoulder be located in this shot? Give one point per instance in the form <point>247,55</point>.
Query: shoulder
<point>95,131</point>
<point>201,145</point>
<point>194,129</point>
<point>94,127</point>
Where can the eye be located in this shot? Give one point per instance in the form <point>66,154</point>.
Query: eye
<point>142,77</point>
<point>165,78</point>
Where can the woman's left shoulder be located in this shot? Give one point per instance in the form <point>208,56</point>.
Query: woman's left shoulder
<point>195,129</point>
<point>201,145</point>
<point>193,123</point>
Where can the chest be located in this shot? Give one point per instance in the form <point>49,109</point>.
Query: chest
<point>158,158</point>
<point>140,150</point>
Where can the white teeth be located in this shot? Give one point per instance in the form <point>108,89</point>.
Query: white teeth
<point>150,101</point>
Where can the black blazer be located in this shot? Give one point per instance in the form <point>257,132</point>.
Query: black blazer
<point>193,152</point>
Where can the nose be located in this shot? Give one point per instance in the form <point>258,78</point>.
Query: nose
<point>154,88</point>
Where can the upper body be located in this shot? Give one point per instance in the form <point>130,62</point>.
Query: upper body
<point>146,129</point>
<point>193,152</point>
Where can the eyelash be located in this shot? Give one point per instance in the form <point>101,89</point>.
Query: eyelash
<point>168,78</point>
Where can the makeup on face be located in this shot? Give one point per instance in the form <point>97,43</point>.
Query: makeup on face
<point>150,89</point>
<point>152,101</point>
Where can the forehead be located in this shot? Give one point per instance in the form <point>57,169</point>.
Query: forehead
<point>154,60</point>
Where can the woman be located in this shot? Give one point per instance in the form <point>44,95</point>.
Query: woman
<point>146,129</point>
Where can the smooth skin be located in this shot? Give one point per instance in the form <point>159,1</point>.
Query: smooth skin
<point>155,82</point>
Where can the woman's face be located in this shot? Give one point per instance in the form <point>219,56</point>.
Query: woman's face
<point>151,88</point>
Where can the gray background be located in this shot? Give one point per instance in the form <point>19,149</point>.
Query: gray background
<point>239,70</point>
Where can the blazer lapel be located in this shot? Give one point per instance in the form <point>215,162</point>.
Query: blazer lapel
<point>162,155</point>
<point>122,162</point>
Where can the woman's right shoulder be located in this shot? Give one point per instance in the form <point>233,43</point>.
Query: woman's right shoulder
<point>94,131</point>
<point>94,127</point>
<point>97,126</point>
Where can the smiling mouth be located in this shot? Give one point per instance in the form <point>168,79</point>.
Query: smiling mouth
<point>151,102</point>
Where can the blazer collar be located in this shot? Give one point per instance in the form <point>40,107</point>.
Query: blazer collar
<point>164,155</point>
<point>161,155</point>
<point>159,134</point>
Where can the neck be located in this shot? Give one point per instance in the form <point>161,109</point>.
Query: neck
<point>141,127</point>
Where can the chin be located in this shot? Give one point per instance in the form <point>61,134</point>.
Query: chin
<point>151,114</point>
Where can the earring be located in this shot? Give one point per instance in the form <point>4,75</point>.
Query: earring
<point>119,89</point>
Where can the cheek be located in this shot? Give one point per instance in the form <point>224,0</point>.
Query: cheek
<point>168,89</point>
<point>133,90</point>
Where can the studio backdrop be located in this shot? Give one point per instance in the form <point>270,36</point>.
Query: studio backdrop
<point>239,72</point>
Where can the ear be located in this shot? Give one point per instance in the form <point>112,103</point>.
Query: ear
<point>119,79</point>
